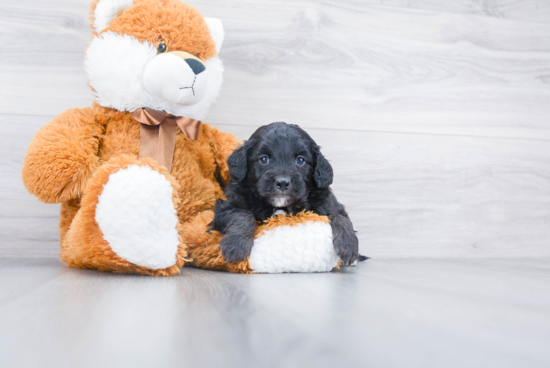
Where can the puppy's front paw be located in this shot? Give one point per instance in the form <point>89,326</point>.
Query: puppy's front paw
<point>236,248</point>
<point>346,246</point>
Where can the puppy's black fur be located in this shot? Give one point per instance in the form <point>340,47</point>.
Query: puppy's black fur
<point>279,167</point>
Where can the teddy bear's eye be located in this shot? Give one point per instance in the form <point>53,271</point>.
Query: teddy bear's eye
<point>161,47</point>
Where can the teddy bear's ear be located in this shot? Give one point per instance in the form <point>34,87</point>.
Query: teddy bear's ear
<point>107,10</point>
<point>216,31</point>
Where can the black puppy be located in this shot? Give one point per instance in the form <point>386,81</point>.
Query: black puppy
<point>279,168</point>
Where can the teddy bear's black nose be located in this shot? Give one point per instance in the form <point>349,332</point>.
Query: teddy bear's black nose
<point>196,66</point>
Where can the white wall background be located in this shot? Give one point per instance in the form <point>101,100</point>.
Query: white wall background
<point>435,114</point>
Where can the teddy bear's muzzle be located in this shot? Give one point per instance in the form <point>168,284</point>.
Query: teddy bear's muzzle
<point>176,76</point>
<point>196,64</point>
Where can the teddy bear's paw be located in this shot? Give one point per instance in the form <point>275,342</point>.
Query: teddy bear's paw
<point>304,247</point>
<point>136,215</point>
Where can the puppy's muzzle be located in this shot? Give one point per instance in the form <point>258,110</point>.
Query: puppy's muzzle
<point>282,183</point>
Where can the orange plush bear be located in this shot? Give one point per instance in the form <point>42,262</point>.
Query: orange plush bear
<point>138,173</point>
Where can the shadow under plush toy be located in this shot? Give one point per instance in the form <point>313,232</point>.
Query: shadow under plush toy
<point>137,173</point>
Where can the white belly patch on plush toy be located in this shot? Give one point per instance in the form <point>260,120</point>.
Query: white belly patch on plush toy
<point>294,244</point>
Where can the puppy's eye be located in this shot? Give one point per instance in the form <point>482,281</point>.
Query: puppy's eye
<point>264,160</point>
<point>161,48</point>
<point>300,160</point>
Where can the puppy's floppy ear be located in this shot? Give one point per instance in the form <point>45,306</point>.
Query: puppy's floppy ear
<point>322,172</point>
<point>238,164</point>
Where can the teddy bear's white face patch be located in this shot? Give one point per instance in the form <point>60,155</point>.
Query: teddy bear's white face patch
<point>127,74</point>
<point>176,79</point>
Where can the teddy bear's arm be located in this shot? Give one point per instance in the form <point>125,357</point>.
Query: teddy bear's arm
<point>223,144</point>
<point>62,156</point>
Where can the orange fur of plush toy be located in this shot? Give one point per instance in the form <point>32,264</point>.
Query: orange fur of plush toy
<point>83,245</point>
<point>70,160</point>
<point>178,25</point>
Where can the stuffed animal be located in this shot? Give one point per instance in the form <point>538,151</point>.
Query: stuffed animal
<point>137,173</point>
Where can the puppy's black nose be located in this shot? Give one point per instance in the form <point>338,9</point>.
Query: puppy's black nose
<point>196,66</point>
<point>282,183</point>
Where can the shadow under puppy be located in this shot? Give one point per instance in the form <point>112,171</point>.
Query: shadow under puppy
<point>280,169</point>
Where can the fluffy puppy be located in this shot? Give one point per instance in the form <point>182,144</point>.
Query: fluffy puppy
<point>279,169</point>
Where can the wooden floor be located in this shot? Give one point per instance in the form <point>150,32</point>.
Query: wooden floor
<point>384,313</point>
<point>436,117</point>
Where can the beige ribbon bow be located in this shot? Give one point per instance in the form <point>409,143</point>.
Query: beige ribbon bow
<point>158,134</point>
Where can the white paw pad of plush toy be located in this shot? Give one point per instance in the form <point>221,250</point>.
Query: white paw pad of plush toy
<point>302,243</point>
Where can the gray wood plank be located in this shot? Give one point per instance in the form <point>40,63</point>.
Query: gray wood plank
<point>409,195</point>
<point>30,236</point>
<point>350,65</point>
<point>526,10</point>
<point>383,313</point>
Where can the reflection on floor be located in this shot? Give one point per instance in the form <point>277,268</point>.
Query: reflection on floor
<point>383,313</point>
